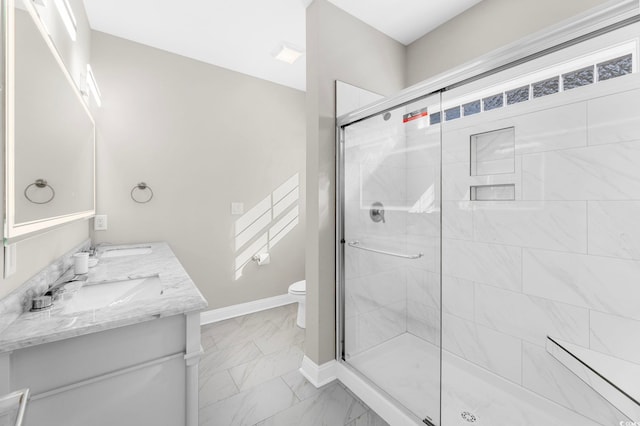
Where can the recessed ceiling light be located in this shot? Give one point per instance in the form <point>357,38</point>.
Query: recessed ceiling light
<point>288,54</point>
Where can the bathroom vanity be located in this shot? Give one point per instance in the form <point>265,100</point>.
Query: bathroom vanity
<point>121,348</point>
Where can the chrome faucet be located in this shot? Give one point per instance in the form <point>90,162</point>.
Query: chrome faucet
<point>58,288</point>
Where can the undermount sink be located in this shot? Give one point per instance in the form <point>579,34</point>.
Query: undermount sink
<point>126,251</point>
<point>112,293</point>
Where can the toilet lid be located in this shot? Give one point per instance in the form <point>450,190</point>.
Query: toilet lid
<point>298,287</point>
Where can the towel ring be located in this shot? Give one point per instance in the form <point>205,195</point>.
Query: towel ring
<point>141,186</point>
<point>40,183</point>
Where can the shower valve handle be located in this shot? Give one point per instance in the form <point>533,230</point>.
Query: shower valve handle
<point>377,212</point>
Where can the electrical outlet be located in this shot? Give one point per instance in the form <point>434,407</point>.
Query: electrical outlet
<point>237,208</point>
<point>100,222</point>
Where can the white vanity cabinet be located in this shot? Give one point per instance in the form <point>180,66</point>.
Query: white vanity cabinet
<point>140,374</point>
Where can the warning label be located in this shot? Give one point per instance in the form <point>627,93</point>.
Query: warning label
<point>414,115</point>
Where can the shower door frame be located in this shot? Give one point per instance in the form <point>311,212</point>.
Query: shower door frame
<point>597,21</point>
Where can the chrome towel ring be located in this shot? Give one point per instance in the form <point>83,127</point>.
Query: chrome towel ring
<point>40,184</point>
<point>141,187</point>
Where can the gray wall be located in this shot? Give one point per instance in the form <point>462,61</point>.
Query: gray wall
<point>487,26</point>
<point>201,136</point>
<point>37,252</point>
<point>339,47</point>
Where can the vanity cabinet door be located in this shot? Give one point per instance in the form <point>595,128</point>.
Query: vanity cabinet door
<point>151,395</point>
<point>43,368</point>
<point>134,375</point>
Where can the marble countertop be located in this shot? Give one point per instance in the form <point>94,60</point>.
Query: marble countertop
<point>179,295</point>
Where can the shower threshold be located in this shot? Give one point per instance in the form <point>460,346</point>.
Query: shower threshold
<point>407,368</point>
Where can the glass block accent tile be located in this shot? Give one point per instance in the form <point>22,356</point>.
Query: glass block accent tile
<point>581,77</point>
<point>546,87</point>
<point>493,102</point>
<point>471,108</point>
<point>520,94</point>
<point>452,113</point>
<point>570,80</point>
<point>615,68</point>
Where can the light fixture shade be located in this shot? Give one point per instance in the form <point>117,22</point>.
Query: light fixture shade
<point>288,54</point>
<point>66,14</point>
<point>93,86</point>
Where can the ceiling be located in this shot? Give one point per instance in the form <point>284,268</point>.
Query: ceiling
<point>244,35</point>
<point>404,20</point>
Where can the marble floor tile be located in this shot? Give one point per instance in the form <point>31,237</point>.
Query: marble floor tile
<point>240,385</point>
<point>216,387</point>
<point>208,345</point>
<point>249,407</point>
<point>370,418</point>
<point>232,335</point>
<point>220,328</point>
<point>249,375</point>
<point>223,359</point>
<point>281,340</point>
<point>333,406</point>
<point>299,385</point>
<point>266,367</point>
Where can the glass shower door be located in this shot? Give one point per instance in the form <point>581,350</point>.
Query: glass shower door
<point>391,253</point>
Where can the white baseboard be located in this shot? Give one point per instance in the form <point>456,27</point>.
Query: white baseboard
<point>215,315</point>
<point>318,375</point>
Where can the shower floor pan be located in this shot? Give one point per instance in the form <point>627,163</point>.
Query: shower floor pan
<point>406,367</point>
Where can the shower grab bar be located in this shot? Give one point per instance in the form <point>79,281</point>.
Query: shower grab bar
<point>356,244</point>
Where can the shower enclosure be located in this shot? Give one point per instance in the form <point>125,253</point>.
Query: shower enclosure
<point>489,241</point>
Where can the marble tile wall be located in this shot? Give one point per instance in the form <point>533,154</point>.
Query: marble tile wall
<point>423,230</point>
<point>563,259</point>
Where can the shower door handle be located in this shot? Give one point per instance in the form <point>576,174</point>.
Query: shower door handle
<point>356,244</point>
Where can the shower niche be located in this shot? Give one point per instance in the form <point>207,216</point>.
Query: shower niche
<point>493,152</point>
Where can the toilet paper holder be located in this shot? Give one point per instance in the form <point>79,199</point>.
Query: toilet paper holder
<point>261,258</point>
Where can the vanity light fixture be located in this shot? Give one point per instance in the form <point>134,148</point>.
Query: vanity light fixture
<point>64,8</point>
<point>93,86</point>
<point>288,54</point>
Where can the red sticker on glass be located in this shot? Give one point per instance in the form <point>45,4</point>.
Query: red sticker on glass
<point>414,115</point>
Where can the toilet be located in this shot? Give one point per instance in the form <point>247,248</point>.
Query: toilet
<point>299,292</point>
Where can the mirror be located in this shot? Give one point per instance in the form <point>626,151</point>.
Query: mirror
<point>50,137</point>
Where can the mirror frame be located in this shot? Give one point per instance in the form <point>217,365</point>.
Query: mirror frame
<point>16,231</point>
